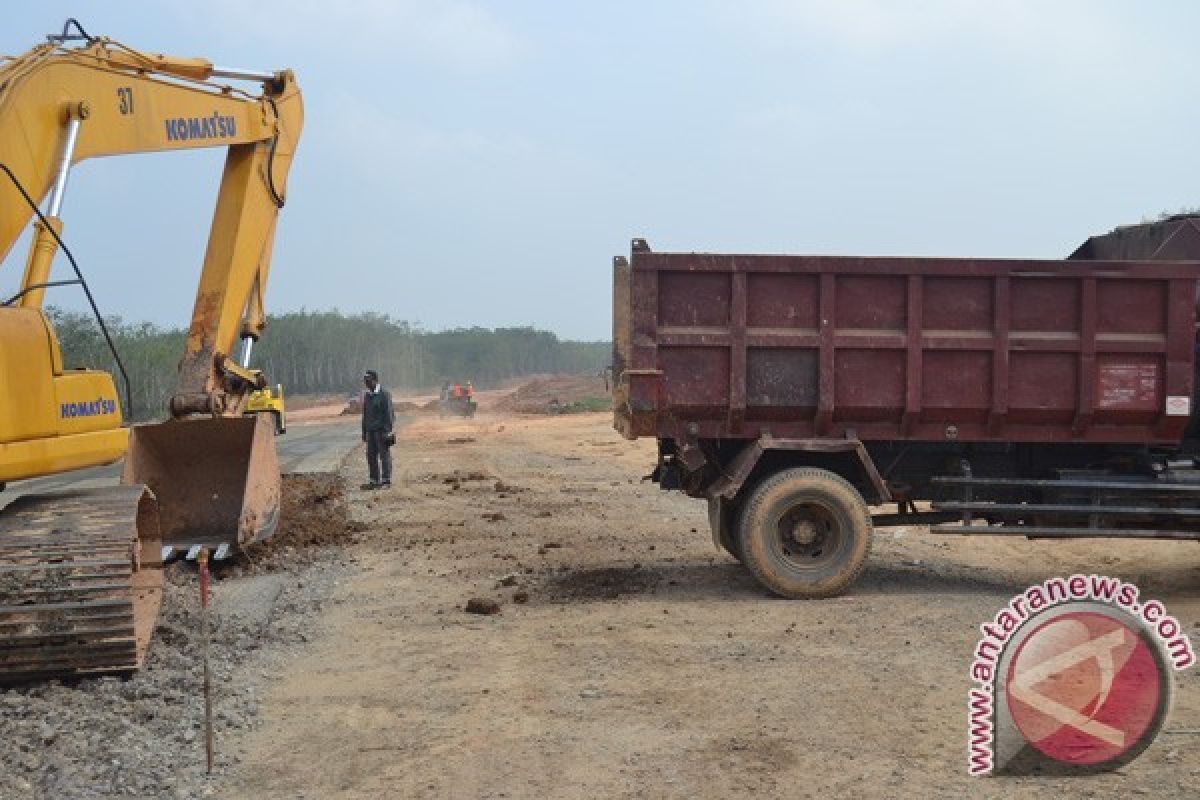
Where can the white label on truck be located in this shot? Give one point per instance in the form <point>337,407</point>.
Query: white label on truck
<point>1179,405</point>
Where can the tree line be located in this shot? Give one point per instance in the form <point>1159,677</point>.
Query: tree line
<point>325,352</point>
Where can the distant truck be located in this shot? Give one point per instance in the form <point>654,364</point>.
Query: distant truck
<point>459,406</point>
<point>457,400</point>
<point>1045,399</point>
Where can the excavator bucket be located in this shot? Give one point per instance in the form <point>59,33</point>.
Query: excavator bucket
<point>216,479</point>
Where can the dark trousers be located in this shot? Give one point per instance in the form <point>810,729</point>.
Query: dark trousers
<point>379,455</point>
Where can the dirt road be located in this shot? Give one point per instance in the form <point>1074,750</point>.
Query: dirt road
<point>645,664</point>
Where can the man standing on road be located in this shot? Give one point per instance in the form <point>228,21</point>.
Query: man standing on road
<point>377,421</point>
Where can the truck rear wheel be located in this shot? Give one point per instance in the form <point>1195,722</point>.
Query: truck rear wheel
<point>805,533</point>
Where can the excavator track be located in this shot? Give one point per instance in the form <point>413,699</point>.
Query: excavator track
<point>80,583</point>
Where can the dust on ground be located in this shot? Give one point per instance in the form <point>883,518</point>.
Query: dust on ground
<point>531,394</point>
<point>630,659</point>
<point>303,409</point>
<point>314,413</point>
<point>305,402</point>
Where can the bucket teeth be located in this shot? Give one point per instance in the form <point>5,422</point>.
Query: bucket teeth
<point>191,552</point>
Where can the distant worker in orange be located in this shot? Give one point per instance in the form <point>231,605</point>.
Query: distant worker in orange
<point>458,390</point>
<point>470,390</point>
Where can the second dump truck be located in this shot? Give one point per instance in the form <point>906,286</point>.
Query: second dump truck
<point>801,396</point>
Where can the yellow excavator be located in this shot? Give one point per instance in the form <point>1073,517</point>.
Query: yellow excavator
<point>269,401</point>
<point>81,570</point>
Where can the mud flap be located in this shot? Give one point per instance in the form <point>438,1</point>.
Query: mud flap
<point>719,519</point>
<point>216,479</point>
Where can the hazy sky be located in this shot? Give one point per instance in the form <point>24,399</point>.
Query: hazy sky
<point>479,163</point>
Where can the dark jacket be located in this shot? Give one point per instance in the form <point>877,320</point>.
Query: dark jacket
<point>377,413</point>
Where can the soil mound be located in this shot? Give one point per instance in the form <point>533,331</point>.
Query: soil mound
<point>312,515</point>
<point>559,394</point>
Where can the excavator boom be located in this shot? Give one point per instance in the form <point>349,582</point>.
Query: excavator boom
<point>60,106</point>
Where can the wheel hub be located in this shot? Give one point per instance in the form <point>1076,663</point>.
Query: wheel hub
<point>804,532</point>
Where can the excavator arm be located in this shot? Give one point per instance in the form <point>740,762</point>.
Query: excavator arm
<point>59,106</point>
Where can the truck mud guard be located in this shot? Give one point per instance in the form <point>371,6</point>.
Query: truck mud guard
<point>733,477</point>
<point>724,490</point>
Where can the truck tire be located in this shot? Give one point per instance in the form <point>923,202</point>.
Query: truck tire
<point>805,533</point>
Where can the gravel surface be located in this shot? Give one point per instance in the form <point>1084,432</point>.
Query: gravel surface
<point>144,736</point>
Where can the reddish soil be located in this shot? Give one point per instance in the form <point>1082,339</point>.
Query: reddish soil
<point>548,395</point>
<point>313,514</point>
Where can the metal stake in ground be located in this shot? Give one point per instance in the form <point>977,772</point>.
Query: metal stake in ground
<point>208,719</point>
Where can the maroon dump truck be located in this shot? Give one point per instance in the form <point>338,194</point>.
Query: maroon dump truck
<point>802,396</point>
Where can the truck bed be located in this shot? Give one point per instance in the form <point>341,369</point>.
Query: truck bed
<point>737,346</point>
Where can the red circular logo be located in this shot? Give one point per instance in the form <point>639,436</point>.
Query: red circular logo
<point>1087,688</point>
